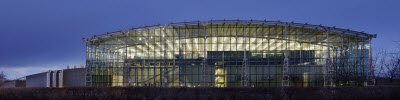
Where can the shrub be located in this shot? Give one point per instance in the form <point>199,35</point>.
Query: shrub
<point>178,93</point>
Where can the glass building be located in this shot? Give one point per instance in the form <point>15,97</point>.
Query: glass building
<point>229,53</point>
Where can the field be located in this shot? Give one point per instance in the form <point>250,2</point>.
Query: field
<point>132,93</point>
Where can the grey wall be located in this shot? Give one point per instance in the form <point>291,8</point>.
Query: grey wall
<point>14,83</point>
<point>9,84</point>
<point>74,77</point>
<point>37,80</point>
<point>58,78</point>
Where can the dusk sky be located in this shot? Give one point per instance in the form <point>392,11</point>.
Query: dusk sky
<point>41,35</point>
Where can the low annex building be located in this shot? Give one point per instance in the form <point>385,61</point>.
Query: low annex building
<point>58,78</point>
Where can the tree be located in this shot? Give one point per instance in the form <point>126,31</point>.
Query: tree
<point>2,79</point>
<point>389,66</point>
<point>388,63</point>
<point>344,69</point>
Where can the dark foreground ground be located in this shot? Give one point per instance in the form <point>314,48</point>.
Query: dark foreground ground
<point>130,93</point>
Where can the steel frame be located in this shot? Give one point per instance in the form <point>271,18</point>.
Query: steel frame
<point>98,48</point>
<point>285,68</point>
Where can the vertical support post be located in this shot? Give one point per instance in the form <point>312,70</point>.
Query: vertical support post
<point>328,81</point>
<point>205,54</point>
<point>60,78</point>
<point>88,65</point>
<point>165,57</point>
<point>48,78</point>
<point>370,75</point>
<point>244,79</point>
<point>126,76</point>
<point>285,69</point>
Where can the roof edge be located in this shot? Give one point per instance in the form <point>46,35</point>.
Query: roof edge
<point>305,25</point>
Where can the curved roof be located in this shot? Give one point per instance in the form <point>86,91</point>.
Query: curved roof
<point>332,30</point>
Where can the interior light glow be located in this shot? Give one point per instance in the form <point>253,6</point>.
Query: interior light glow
<point>214,42</point>
<point>196,43</point>
<point>188,45</point>
<point>169,45</point>
<point>251,41</point>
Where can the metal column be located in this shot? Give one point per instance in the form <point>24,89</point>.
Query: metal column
<point>205,52</point>
<point>370,74</point>
<point>126,69</point>
<point>165,56</point>
<point>285,69</point>
<point>244,80</point>
<point>328,76</point>
<point>88,65</point>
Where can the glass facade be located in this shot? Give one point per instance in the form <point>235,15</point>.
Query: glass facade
<point>192,54</point>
